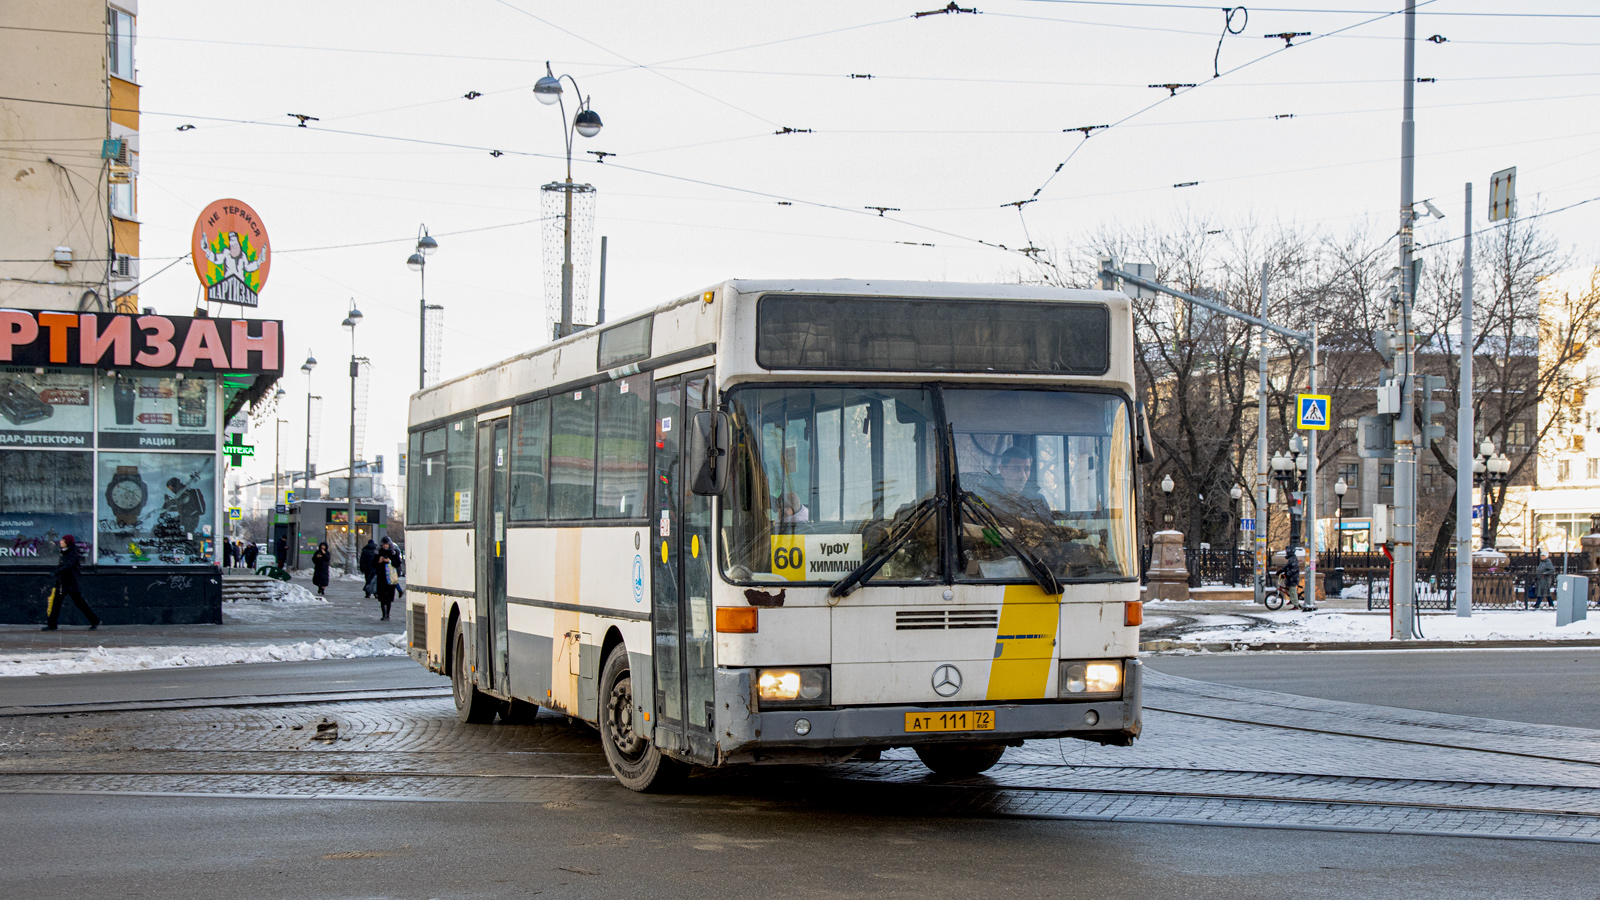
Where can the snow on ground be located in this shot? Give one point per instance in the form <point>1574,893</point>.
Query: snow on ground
<point>1341,626</point>
<point>127,659</point>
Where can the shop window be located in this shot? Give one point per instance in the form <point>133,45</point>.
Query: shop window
<point>530,446</point>
<point>43,496</point>
<point>155,507</point>
<point>624,449</point>
<point>572,454</point>
<point>461,444</point>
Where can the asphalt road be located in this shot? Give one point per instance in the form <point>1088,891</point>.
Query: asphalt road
<point>213,682</point>
<point>1548,687</point>
<point>63,845</point>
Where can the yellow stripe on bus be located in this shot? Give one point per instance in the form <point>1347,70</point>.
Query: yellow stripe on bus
<point>1025,646</point>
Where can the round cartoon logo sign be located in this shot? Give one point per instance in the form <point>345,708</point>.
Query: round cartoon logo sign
<point>231,252</point>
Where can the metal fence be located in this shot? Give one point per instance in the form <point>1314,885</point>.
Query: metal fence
<point>1368,574</point>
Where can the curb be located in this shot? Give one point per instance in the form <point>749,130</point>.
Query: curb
<point>1291,646</point>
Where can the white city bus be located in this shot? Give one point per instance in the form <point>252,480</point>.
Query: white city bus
<point>781,521</point>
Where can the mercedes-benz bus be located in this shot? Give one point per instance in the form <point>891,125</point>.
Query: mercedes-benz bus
<point>789,521</point>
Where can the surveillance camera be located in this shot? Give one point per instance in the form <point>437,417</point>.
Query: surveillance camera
<point>1432,210</point>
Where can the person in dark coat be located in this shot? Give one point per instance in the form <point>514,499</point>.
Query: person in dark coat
<point>319,567</point>
<point>67,586</point>
<point>387,569</point>
<point>369,562</point>
<point>250,551</point>
<point>1291,576</point>
<point>1545,579</point>
<point>280,549</point>
<point>227,554</point>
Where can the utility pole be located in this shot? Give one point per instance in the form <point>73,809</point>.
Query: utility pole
<point>1403,600</point>
<point>1309,600</point>
<point>1261,454</point>
<point>1465,447</point>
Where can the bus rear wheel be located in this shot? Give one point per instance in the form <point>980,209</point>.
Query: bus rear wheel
<point>960,759</point>
<point>473,706</point>
<point>634,759</point>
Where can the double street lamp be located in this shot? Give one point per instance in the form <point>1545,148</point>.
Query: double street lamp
<point>351,320</point>
<point>418,263</point>
<point>1290,471</point>
<point>586,123</point>
<point>1488,472</point>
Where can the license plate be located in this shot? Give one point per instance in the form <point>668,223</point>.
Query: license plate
<point>954,720</point>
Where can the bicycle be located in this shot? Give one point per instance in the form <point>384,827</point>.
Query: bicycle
<point>1274,600</point>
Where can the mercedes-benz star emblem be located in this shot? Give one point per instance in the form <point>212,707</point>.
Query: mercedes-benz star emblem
<point>947,680</point>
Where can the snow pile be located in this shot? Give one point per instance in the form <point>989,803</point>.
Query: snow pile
<point>1298,627</point>
<point>289,592</point>
<point>128,659</point>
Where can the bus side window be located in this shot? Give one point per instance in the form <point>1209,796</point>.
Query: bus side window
<point>624,449</point>
<point>530,445</point>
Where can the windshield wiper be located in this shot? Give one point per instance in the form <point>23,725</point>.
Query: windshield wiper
<point>1037,569</point>
<point>899,533</point>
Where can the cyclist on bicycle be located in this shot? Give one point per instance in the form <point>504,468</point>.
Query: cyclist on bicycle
<point>1289,577</point>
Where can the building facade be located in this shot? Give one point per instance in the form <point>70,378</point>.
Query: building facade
<point>70,147</point>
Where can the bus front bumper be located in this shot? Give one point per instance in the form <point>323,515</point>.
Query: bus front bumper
<point>745,732</point>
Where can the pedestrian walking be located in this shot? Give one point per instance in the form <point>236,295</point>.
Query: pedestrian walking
<point>319,567</point>
<point>250,552</point>
<point>369,562</point>
<point>227,554</point>
<point>66,585</point>
<point>280,549</point>
<point>387,569</point>
<point>1544,580</point>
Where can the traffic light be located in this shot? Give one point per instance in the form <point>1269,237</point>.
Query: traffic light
<point>1428,432</point>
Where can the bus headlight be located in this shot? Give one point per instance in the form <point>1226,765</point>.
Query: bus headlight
<point>1084,678</point>
<point>793,687</point>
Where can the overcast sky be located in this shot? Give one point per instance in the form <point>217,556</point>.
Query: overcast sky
<point>963,113</point>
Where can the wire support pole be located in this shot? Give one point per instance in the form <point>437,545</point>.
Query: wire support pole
<point>1465,448</point>
<point>1309,508</point>
<point>1261,454</point>
<point>1403,602</point>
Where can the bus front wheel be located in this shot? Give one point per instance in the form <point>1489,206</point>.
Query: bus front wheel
<point>634,759</point>
<point>473,706</point>
<point>960,759</point>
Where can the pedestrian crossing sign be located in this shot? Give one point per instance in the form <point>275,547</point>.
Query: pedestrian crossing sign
<point>1313,412</point>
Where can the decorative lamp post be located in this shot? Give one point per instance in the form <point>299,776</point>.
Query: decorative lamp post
<point>1166,488</point>
<point>1235,493</point>
<point>418,263</point>
<point>586,123</point>
<point>351,320</point>
<point>1339,490</point>
<point>1488,472</point>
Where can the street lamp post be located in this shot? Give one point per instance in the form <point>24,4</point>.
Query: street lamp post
<point>306,367</point>
<point>419,263</point>
<point>1235,493</point>
<point>1166,488</point>
<point>1488,472</point>
<point>351,321</point>
<point>1339,490</point>
<point>276,456</point>
<point>586,123</point>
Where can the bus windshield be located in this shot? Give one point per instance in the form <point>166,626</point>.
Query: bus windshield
<point>822,477</point>
<point>1044,474</point>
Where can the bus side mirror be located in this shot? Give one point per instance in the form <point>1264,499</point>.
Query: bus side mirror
<point>1141,436</point>
<point>708,451</point>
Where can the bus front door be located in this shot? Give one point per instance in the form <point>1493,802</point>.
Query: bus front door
<point>490,537</point>
<point>682,616</point>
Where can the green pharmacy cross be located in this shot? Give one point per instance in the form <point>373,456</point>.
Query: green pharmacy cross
<point>236,449</point>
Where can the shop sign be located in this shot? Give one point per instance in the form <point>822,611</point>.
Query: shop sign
<point>363,516</point>
<point>45,409</point>
<point>230,248</point>
<point>39,337</point>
